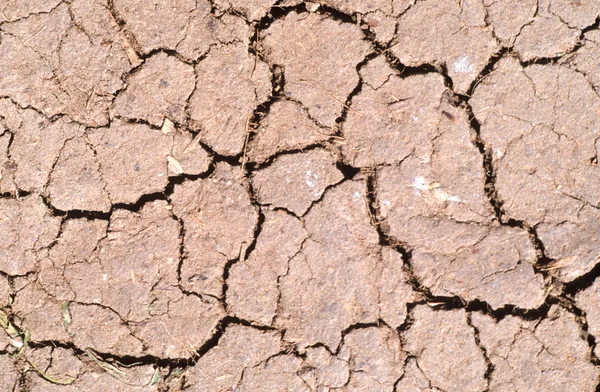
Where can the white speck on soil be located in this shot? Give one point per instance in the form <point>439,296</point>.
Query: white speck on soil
<point>311,179</point>
<point>422,185</point>
<point>462,65</point>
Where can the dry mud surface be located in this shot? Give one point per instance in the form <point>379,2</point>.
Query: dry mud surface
<point>226,195</point>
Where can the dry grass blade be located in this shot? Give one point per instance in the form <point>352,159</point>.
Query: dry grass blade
<point>17,338</point>
<point>67,318</point>
<point>120,375</point>
<point>53,379</point>
<point>107,367</point>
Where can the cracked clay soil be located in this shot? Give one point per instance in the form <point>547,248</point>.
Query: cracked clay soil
<point>300,196</point>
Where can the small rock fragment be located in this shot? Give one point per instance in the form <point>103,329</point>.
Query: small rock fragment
<point>193,159</point>
<point>168,127</point>
<point>174,165</point>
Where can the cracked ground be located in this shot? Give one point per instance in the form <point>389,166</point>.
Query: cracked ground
<point>227,195</point>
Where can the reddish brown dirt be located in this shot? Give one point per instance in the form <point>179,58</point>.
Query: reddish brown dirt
<point>227,195</point>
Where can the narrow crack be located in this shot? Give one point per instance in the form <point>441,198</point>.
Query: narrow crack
<point>357,89</point>
<point>489,365</point>
<point>245,252</point>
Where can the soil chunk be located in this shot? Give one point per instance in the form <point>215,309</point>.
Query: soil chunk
<point>28,229</point>
<point>527,128</point>
<point>294,41</point>
<point>76,182</point>
<point>132,159</point>
<point>305,175</point>
<point>374,356</point>
<point>338,264</point>
<point>587,301</point>
<point>58,66</point>
<point>240,350</point>
<point>35,146</point>
<point>219,222</point>
<point>158,90</point>
<point>156,24</point>
<point>286,127</point>
<point>445,349</point>
<point>459,40</point>
<point>322,195</point>
<point>223,102</point>
<point>548,355</point>
<point>253,284</point>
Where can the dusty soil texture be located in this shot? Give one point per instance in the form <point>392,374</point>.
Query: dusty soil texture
<point>287,195</point>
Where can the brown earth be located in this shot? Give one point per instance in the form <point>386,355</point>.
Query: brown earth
<point>319,196</point>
